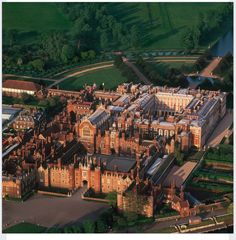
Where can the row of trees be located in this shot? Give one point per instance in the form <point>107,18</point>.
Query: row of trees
<point>171,77</point>
<point>93,30</point>
<point>208,23</point>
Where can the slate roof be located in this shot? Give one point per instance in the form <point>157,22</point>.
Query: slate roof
<point>116,163</point>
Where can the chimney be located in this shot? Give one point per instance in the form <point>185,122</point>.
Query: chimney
<point>59,162</point>
<point>182,193</point>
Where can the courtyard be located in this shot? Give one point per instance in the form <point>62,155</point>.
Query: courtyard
<point>51,211</point>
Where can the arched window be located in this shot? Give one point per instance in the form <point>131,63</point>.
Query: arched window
<point>160,132</point>
<point>166,133</point>
<point>172,133</point>
<point>86,132</point>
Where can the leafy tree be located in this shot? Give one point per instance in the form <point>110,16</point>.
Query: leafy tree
<point>178,154</point>
<point>67,53</point>
<point>88,226</point>
<point>135,36</point>
<point>91,54</point>
<point>101,226</point>
<point>12,34</point>
<point>38,64</point>
<point>131,216</point>
<point>121,222</point>
<point>187,40</point>
<point>104,41</point>
<point>52,44</point>
<point>19,61</point>
<point>112,198</point>
<point>84,55</point>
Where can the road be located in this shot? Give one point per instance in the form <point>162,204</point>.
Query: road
<point>78,73</point>
<point>159,225</point>
<point>136,70</point>
<point>221,130</point>
<point>27,77</point>
<point>51,211</point>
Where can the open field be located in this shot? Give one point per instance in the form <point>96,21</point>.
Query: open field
<point>111,77</point>
<point>162,24</point>
<point>27,19</point>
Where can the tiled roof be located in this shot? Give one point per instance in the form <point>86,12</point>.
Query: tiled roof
<point>22,85</point>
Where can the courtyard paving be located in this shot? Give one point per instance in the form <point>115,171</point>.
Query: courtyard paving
<point>51,211</point>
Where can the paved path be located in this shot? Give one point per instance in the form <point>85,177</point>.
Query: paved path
<point>51,211</point>
<point>27,77</point>
<point>136,70</point>
<point>76,69</point>
<point>221,130</point>
<point>78,73</point>
<point>208,70</point>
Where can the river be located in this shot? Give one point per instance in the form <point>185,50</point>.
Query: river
<point>223,46</point>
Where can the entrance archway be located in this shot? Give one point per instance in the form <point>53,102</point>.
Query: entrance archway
<point>85,183</point>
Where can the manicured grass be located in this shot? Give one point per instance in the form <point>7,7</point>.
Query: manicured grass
<point>25,228</point>
<point>28,17</point>
<point>33,18</point>
<point>111,77</point>
<point>162,24</point>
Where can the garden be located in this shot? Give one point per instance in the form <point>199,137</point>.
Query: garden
<point>213,176</point>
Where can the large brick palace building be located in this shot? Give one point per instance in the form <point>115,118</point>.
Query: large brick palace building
<point>122,142</point>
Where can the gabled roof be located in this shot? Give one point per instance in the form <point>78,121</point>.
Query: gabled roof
<point>22,85</point>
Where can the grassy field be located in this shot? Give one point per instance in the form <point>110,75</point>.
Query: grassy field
<point>33,18</point>
<point>111,77</point>
<point>162,24</point>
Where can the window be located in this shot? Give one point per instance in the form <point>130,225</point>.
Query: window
<point>86,132</point>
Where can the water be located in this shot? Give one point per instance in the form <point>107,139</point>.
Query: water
<point>223,46</point>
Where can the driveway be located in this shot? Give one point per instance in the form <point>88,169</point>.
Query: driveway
<point>51,211</point>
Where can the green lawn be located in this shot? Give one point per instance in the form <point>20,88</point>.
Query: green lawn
<point>111,77</point>
<point>33,18</point>
<point>25,228</point>
<point>162,24</point>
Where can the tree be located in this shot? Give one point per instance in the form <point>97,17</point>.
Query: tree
<point>52,44</point>
<point>67,53</point>
<point>135,36</point>
<point>19,61</point>
<point>112,198</point>
<point>131,216</point>
<point>101,226</point>
<point>121,222</point>
<point>187,40</point>
<point>89,226</point>
<point>104,41</point>
<point>91,54</point>
<point>38,65</point>
<point>178,154</point>
<point>84,55</point>
<point>11,34</point>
